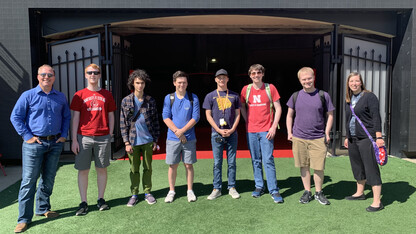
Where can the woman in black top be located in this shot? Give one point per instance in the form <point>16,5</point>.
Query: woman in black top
<point>360,148</point>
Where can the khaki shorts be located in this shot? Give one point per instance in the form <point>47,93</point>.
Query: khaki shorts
<point>309,153</point>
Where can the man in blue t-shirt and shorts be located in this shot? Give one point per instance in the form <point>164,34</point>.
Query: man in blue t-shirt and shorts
<point>222,108</point>
<point>309,133</point>
<point>180,114</point>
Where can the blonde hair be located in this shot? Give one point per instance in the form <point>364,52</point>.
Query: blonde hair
<point>306,70</point>
<point>348,92</point>
<point>94,66</point>
<point>48,66</point>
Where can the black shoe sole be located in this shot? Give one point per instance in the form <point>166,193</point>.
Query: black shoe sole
<point>375,209</point>
<point>352,198</point>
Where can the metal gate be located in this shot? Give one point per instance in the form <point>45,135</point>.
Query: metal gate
<point>122,63</point>
<point>371,59</point>
<point>336,56</point>
<point>69,58</point>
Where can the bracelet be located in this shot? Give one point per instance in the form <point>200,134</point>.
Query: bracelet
<point>379,138</point>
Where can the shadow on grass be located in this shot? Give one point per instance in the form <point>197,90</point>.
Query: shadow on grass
<point>293,185</point>
<point>200,189</point>
<point>339,190</point>
<point>9,196</point>
<point>396,191</point>
<point>393,191</point>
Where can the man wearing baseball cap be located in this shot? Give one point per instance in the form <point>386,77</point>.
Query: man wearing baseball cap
<point>222,109</point>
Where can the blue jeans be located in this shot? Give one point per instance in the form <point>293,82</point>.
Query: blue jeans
<point>261,151</point>
<point>37,160</point>
<point>218,144</point>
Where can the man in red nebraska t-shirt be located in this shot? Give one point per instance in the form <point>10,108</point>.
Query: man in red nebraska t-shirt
<point>261,124</point>
<point>92,129</point>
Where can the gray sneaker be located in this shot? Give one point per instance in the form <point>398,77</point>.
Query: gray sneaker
<point>215,193</point>
<point>257,192</point>
<point>306,197</point>
<point>233,193</point>
<point>169,198</point>
<point>191,196</point>
<point>132,201</point>
<point>277,198</point>
<point>149,198</point>
<point>321,198</point>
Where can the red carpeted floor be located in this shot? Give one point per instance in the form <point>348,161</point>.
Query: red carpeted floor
<point>282,147</point>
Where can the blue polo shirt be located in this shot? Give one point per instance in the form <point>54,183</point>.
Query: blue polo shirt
<point>41,114</point>
<point>181,113</point>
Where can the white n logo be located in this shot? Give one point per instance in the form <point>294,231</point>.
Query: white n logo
<point>256,99</point>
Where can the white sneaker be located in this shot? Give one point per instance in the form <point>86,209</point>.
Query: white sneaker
<point>169,198</point>
<point>233,193</point>
<point>215,193</point>
<point>191,196</point>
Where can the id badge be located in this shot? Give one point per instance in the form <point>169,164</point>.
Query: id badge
<point>222,122</point>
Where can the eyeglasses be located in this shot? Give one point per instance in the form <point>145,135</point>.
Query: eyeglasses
<point>46,74</point>
<point>93,72</point>
<point>254,73</point>
<point>221,77</point>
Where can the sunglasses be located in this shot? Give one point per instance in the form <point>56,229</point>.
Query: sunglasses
<point>254,73</point>
<point>93,72</point>
<point>46,74</point>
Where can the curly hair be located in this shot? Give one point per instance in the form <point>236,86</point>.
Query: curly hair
<point>140,74</point>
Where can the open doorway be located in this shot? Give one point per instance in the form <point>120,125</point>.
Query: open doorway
<point>201,55</point>
<point>202,44</point>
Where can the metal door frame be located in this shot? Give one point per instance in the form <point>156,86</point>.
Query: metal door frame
<point>373,61</point>
<point>71,67</point>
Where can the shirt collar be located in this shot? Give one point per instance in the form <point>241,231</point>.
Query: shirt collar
<point>38,89</point>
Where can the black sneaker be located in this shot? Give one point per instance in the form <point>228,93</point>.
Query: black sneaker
<point>82,209</point>
<point>321,198</point>
<point>306,197</point>
<point>102,205</point>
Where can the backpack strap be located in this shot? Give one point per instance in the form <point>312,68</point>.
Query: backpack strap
<point>248,92</point>
<point>269,94</point>
<point>172,99</point>
<point>322,96</point>
<point>190,96</point>
<point>295,96</point>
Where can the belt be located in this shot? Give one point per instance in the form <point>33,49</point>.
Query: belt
<point>50,137</point>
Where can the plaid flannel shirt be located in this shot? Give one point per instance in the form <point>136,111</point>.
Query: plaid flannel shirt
<point>149,111</point>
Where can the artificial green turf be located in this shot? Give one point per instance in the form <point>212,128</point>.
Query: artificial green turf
<point>226,215</point>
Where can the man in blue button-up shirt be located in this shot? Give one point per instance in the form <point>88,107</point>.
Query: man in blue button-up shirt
<point>41,116</point>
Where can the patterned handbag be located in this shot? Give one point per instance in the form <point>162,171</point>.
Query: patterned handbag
<point>379,152</point>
